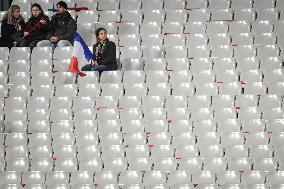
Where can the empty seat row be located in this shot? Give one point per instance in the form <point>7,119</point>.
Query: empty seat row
<point>130,126</point>
<point>82,151</point>
<point>199,64</point>
<point>200,76</point>
<point>212,40</point>
<point>141,89</point>
<point>102,113</point>
<point>148,101</point>
<point>197,26</point>
<point>181,138</point>
<point>179,15</point>
<point>148,178</point>
<point>150,77</point>
<point>158,4</point>
<point>138,186</point>
<point>199,39</point>
<point>194,165</point>
<point>200,51</point>
<point>250,65</point>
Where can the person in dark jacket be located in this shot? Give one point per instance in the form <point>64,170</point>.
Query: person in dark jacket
<point>104,54</point>
<point>12,28</point>
<point>61,28</point>
<point>37,26</point>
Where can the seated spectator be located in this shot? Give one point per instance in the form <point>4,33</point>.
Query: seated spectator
<point>61,28</point>
<point>12,28</point>
<point>104,54</point>
<point>37,26</point>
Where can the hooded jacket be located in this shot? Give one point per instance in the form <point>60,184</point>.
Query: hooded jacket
<point>62,26</point>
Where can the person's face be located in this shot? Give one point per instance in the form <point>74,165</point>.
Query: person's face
<point>60,9</point>
<point>102,35</point>
<point>16,13</point>
<point>35,11</point>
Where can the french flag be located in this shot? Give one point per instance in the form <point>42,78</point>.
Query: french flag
<point>81,55</point>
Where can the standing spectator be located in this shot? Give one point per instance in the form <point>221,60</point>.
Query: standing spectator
<point>12,28</point>
<point>104,54</point>
<point>37,26</point>
<point>61,28</point>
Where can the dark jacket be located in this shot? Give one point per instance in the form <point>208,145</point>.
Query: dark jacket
<point>37,30</point>
<point>108,55</point>
<point>7,31</point>
<point>62,26</point>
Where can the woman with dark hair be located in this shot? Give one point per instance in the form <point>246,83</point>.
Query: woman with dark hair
<point>104,54</point>
<point>12,28</point>
<point>37,26</point>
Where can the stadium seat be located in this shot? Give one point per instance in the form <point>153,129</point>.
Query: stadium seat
<point>62,53</point>
<point>4,53</point>
<point>153,52</point>
<point>203,126</point>
<point>176,16</point>
<point>231,177</point>
<point>265,39</point>
<point>108,5</point>
<point>203,177</point>
<point>239,27</point>
<point>152,5</point>
<point>219,39</point>
<point>242,39</point>
<point>248,63</point>
<point>172,28</point>
<point>253,177</point>
<point>88,16</point>
<point>153,16</point>
<point>263,26</point>
<point>261,4</point>
<point>194,27</point>
<point>241,4</point>
<point>19,53</point>
<point>154,177</point>
<point>41,66</point>
<point>246,14</point>
<point>150,28</point>
<point>267,14</point>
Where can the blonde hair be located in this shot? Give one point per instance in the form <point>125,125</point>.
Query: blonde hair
<point>9,15</point>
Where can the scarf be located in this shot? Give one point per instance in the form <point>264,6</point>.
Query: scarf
<point>17,25</point>
<point>100,50</point>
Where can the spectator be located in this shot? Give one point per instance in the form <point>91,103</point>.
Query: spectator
<point>104,54</point>
<point>37,26</point>
<point>61,28</point>
<point>12,28</point>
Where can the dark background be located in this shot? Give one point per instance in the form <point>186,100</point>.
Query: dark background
<point>5,4</point>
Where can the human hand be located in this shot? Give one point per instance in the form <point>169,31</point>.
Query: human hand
<point>94,63</point>
<point>42,21</point>
<point>26,34</point>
